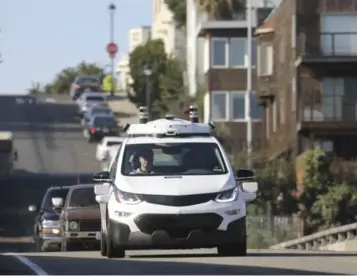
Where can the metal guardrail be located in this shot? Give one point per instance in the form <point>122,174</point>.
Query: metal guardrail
<point>319,240</point>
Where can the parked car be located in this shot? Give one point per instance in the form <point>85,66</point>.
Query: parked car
<point>88,100</point>
<point>80,219</point>
<point>83,84</point>
<point>105,144</point>
<point>46,233</point>
<point>100,126</point>
<point>96,110</point>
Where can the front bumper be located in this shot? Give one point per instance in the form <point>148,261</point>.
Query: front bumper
<point>93,236</point>
<point>170,237</point>
<point>50,240</point>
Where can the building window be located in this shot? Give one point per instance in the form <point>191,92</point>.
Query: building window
<point>219,51</point>
<point>255,111</point>
<point>238,105</point>
<point>231,52</point>
<point>333,91</point>
<point>230,106</point>
<point>237,52</point>
<point>219,106</point>
<point>265,59</point>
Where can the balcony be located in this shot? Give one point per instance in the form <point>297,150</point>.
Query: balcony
<point>327,48</point>
<point>327,114</point>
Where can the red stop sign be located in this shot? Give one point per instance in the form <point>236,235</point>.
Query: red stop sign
<point>112,48</point>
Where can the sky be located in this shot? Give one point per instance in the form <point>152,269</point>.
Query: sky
<point>39,38</point>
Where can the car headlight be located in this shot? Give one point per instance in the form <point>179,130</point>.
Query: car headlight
<point>126,198</point>
<point>50,224</point>
<point>228,196</point>
<point>73,225</point>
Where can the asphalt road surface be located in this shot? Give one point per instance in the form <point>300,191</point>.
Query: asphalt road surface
<point>192,262</point>
<point>52,151</point>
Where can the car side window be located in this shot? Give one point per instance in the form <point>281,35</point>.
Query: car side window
<point>113,168</point>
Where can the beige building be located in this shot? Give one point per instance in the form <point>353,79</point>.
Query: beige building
<point>137,36</point>
<point>163,27</point>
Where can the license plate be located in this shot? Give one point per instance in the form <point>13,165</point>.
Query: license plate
<point>106,130</point>
<point>97,236</point>
<point>87,90</point>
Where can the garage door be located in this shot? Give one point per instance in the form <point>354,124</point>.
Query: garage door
<point>339,34</point>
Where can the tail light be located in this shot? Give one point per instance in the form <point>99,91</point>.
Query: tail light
<point>76,88</point>
<point>92,129</point>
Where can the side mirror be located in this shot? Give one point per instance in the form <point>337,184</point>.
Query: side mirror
<point>57,202</point>
<point>102,189</point>
<point>243,174</point>
<point>102,177</point>
<point>249,191</point>
<point>32,208</point>
<point>102,199</point>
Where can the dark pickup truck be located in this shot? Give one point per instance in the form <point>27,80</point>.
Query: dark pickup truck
<point>80,219</point>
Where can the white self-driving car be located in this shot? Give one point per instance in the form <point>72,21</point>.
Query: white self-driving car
<point>171,186</point>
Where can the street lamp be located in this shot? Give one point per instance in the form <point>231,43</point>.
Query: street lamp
<point>112,8</point>
<point>147,72</point>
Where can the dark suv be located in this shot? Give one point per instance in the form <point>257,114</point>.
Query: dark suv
<point>80,219</point>
<point>47,225</point>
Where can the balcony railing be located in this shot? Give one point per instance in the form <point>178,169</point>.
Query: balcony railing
<point>326,108</point>
<point>327,44</point>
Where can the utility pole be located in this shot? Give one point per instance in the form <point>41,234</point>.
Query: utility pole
<point>249,81</point>
<point>1,61</point>
<point>112,8</point>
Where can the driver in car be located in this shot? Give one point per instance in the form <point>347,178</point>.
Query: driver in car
<point>145,162</point>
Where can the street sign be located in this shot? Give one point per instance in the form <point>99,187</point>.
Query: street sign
<point>112,49</point>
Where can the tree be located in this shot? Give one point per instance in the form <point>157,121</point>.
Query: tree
<point>178,8</point>
<point>328,199</point>
<point>221,8</point>
<point>36,88</point>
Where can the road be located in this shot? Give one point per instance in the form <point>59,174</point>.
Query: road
<point>194,262</point>
<point>52,151</point>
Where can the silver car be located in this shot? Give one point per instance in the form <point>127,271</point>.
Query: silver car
<point>88,100</point>
<point>82,84</point>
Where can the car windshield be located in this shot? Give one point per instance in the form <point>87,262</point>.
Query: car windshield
<point>94,99</point>
<point>83,197</point>
<point>104,122</point>
<point>101,111</point>
<point>173,159</point>
<point>62,193</point>
<point>88,81</point>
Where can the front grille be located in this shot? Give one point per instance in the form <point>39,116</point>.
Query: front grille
<point>89,225</point>
<point>178,201</point>
<point>178,226</point>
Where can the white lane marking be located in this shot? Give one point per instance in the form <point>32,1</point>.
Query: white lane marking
<point>20,101</point>
<point>50,100</point>
<point>34,267</point>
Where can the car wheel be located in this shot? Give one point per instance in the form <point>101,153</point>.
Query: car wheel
<point>90,138</point>
<point>103,244</point>
<point>113,251</point>
<point>233,249</point>
<point>66,246</point>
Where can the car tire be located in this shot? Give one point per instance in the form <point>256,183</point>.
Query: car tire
<point>90,138</point>
<point>66,246</point>
<point>233,249</point>
<point>113,251</point>
<point>103,244</point>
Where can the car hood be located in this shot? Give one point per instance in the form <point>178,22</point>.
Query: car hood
<point>175,185</point>
<point>82,213</point>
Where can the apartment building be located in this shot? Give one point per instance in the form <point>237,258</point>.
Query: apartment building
<point>225,64</point>
<point>164,28</point>
<point>137,36</point>
<point>307,58</point>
